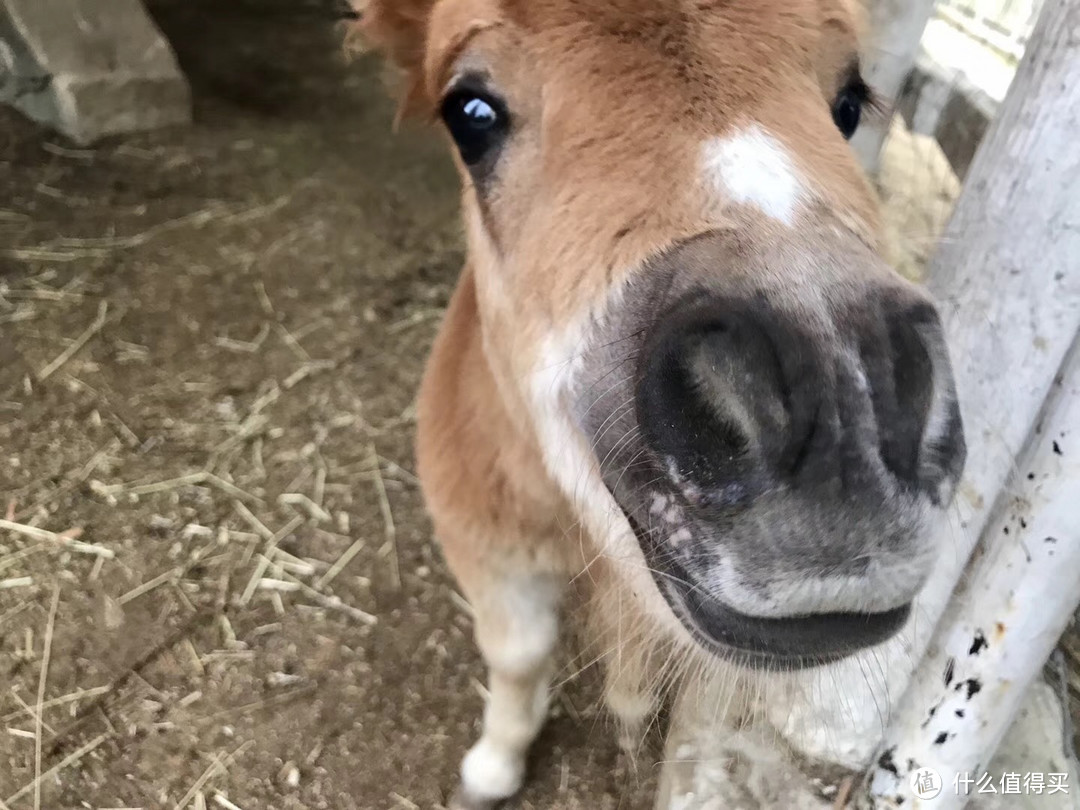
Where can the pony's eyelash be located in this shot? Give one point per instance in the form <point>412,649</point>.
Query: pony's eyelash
<point>873,102</point>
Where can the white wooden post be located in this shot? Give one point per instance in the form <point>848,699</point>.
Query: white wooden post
<point>1008,276</point>
<point>896,28</point>
<point>999,629</point>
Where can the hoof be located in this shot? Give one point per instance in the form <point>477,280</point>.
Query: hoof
<point>490,774</point>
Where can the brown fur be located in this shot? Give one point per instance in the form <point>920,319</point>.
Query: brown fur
<point>613,99</point>
<point>483,477</point>
<point>618,202</point>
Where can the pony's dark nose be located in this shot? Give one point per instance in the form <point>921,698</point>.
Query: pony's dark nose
<point>741,398</point>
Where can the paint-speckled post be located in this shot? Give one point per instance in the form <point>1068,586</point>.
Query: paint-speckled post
<point>1009,280</point>
<point>1001,628</point>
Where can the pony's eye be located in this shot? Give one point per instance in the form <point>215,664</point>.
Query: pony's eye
<point>847,112</point>
<point>847,107</point>
<point>477,121</point>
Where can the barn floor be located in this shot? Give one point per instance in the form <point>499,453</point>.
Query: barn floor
<point>268,283</point>
<point>209,344</point>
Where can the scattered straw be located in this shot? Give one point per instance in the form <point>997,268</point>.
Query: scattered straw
<point>280,585</point>
<point>63,538</point>
<point>221,801</point>
<point>259,211</point>
<point>245,346</point>
<point>318,492</point>
<point>274,700</point>
<point>80,341</point>
<point>307,370</point>
<point>42,679</point>
<point>72,758</point>
<point>413,320</point>
<point>256,576</point>
<point>844,793</point>
<point>16,582</point>
<point>289,340</point>
<point>264,299</point>
<point>332,602</point>
<point>192,479</point>
<point>30,710</point>
<point>265,559</point>
<point>58,701</point>
<point>339,565</point>
<point>38,254</point>
<point>220,763</point>
<point>461,602</point>
<point>307,504</point>
<point>23,312</point>
<point>389,529</point>
<point>193,656</point>
<point>149,585</point>
<point>254,522</point>
<point>73,247</point>
<point>269,398</point>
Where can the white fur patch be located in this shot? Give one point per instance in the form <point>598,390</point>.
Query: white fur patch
<point>530,608</point>
<point>575,468</point>
<point>752,168</point>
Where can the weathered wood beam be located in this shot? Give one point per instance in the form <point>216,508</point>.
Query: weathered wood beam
<point>895,30</point>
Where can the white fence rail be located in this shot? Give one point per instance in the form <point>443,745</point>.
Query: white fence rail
<point>1004,25</point>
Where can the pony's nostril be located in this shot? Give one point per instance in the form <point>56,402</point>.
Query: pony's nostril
<point>708,388</point>
<point>912,393</point>
<point>802,442</point>
<point>733,392</point>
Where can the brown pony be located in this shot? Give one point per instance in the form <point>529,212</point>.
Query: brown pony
<point>675,368</point>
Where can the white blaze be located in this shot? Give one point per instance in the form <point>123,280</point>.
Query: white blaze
<point>752,168</point>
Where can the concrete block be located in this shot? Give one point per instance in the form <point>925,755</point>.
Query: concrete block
<point>89,68</point>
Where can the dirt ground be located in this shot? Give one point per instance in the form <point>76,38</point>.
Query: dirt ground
<point>268,283</point>
<point>210,340</point>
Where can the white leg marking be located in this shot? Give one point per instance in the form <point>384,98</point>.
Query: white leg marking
<point>752,168</point>
<point>517,631</point>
